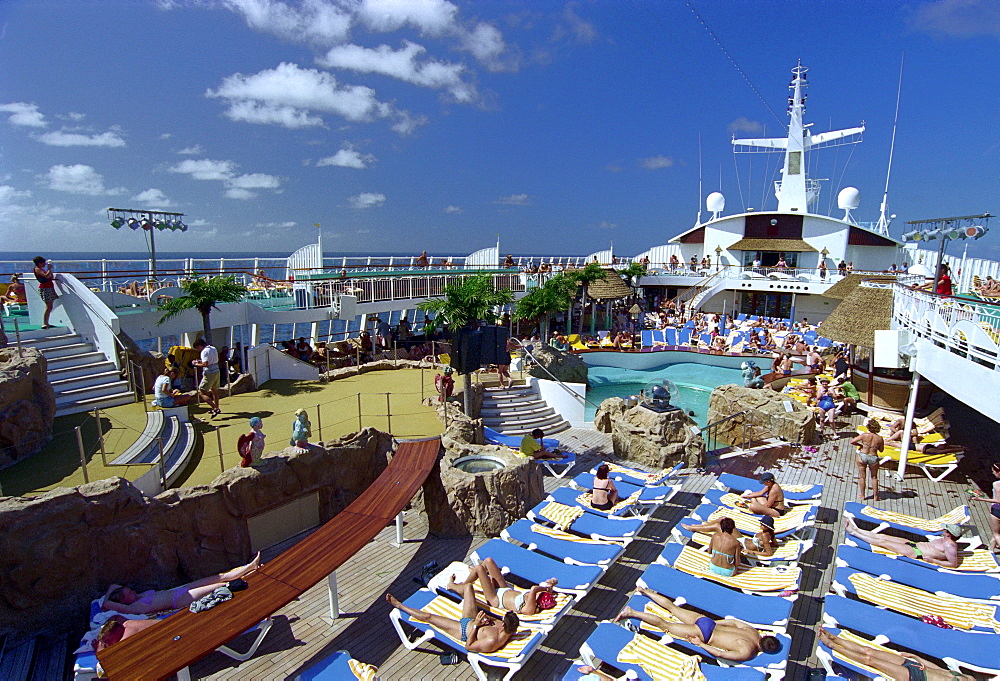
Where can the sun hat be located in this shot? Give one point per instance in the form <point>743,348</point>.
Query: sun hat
<point>766,477</point>
<point>954,530</point>
<point>767,521</point>
<point>255,422</point>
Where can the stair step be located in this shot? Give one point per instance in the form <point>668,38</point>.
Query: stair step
<point>536,409</point>
<point>504,425</point>
<point>549,430</point>
<point>51,341</point>
<point>71,371</point>
<point>67,350</point>
<point>92,403</point>
<point>520,416</point>
<point>64,385</point>
<point>78,394</point>
<point>34,333</point>
<point>74,360</point>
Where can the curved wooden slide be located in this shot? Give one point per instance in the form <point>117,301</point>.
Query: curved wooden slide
<point>186,637</point>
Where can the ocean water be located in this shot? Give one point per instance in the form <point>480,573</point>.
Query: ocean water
<point>695,383</point>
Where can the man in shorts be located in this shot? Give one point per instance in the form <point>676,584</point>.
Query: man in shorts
<point>941,551</point>
<point>532,447</point>
<point>209,386</point>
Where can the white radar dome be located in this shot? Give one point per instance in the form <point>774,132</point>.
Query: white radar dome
<point>849,198</point>
<point>715,202</point>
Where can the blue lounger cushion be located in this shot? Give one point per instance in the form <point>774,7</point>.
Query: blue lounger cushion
<point>536,568</point>
<point>646,338</point>
<point>596,526</point>
<point>767,611</point>
<point>568,495</point>
<point>639,479</point>
<point>776,660</point>
<point>974,650</point>
<point>704,511</point>
<point>647,495</point>
<point>978,586</point>
<point>560,549</point>
<point>513,441</point>
<point>609,639</point>
<point>740,484</point>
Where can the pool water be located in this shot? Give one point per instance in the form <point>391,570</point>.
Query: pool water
<point>694,381</point>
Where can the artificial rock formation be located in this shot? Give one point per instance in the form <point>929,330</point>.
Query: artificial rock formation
<point>27,404</point>
<point>771,416</point>
<point>565,366</point>
<point>658,440</point>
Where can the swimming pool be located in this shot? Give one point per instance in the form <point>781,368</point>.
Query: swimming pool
<point>694,378</point>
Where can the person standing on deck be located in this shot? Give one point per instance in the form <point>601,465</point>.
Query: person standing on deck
<point>46,287</point>
<point>209,386</point>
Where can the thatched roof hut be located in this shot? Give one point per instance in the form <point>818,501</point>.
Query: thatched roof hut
<point>845,286</point>
<point>858,316</point>
<point>611,287</point>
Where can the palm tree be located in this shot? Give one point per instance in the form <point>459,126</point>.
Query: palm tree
<point>585,277</point>
<point>462,303</point>
<point>554,295</point>
<point>203,294</point>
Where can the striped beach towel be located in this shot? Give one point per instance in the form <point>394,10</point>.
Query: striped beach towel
<point>653,478</point>
<point>978,560</point>
<point>958,612</point>
<point>958,515</point>
<point>661,662</point>
<point>362,670</point>
<point>787,550</point>
<point>542,616</point>
<point>568,536</point>
<point>848,636</point>
<point>587,497</point>
<point>561,514</point>
<point>761,579</point>
<point>448,608</point>
<point>750,523</point>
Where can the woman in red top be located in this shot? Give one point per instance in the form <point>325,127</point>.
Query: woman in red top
<point>944,281</point>
<point>46,287</point>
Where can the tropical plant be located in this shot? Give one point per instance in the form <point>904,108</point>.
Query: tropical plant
<point>632,273</point>
<point>554,295</point>
<point>585,277</point>
<point>204,294</point>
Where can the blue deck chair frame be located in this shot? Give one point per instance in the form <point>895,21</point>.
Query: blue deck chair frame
<point>648,496</point>
<point>739,484</point>
<point>622,530</point>
<point>536,568</point>
<point>638,478</point>
<point>574,553</point>
<point>855,509</point>
<point>568,495</point>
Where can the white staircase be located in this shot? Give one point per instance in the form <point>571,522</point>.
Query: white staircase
<point>82,377</point>
<point>517,411</point>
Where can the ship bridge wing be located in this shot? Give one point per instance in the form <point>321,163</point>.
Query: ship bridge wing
<point>825,138</point>
<point>761,143</point>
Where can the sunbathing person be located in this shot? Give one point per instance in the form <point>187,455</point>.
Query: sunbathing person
<point>531,446</point>
<point>893,665</point>
<point>896,435</point>
<point>118,628</point>
<point>478,631</point>
<point>725,639</point>
<point>941,550</point>
<point>605,494</point>
<point>725,549</point>
<point>771,498</point>
<point>994,501</point>
<point>761,544</point>
<point>500,594</point>
<point>125,600</point>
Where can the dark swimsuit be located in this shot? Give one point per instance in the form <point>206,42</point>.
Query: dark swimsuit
<point>915,670</point>
<point>706,626</point>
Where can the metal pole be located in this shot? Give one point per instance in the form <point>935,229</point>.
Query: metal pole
<point>100,435</point>
<point>163,466</point>
<point>319,423</point>
<point>83,455</point>
<point>388,412</point>
<point>218,437</point>
<point>904,444</point>
<point>331,583</point>
<point>359,412</point>
<point>399,530</point>
<point>152,262</point>
<point>17,337</point>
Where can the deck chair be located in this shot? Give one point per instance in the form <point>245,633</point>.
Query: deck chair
<point>768,612</point>
<point>646,338</point>
<point>955,648</point>
<point>683,336</point>
<point>935,466</point>
<point>984,587</point>
<point>960,613</point>
<point>790,551</point>
<point>733,500</point>
<point>648,659</point>
<point>337,667</point>
<point>738,483</point>
<point>648,496</point>
<point>756,580</point>
<point>828,657</point>
<point>573,518</point>
<point>629,507</point>
<point>670,336</point>
<point>536,568</point>
<point>641,478</point>
<point>575,343</point>
<point>512,656</point>
<point>799,522</point>
<point>974,561</point>
<point>773,663</point>
<point>884,520</point>
<point>565,546</point>
<point>495,437</point>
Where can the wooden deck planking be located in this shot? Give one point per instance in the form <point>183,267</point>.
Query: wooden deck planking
<point>304,634</point>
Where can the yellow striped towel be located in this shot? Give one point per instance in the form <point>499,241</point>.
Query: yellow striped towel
<point>750,523</point>
<point>788,550</point>
<point>978,560</point>
<point>661,612</point>
<point>661,662</point>
<point>568,536</point>
<point>448,608</point>
<point>958,612</point>
<point>543,616</point>
<point>696,563</point>
<point>561,514</point>
<point>650,478</point>
<point>848,636</point>
<point>362,670</point>
<point>586,498</point>
<point>927,458</point>
<point>958,515</point>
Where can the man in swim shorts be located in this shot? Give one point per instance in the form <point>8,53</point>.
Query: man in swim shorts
<point>478,631</point>
<point>731,640</point>
<point>942,551</point>
<point>892,665</point>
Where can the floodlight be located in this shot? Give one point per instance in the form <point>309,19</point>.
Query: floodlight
<point>118,222</point>
<point>975,232</point>
<point>133,223</point>
<point>912,235</point>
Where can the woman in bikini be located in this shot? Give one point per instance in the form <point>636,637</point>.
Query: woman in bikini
<point>869,446</point>
<point>827,407</point>
<point>994,516</point>
<point>499,594</point>
<point>604,494</point>
<point>761,544</point>
<point>725,549</point>
<point>125,600</point>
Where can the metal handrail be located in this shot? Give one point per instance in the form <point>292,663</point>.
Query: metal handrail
<point>561,384</point>
<point>712,436</point>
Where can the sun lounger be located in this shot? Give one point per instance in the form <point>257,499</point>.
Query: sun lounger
<point>536,568</point>
<point>953,647</point>
<point>337,667</point>
<point>981,587</point>
<point>799,522</point>
<point>760,580</point>
<point>975,561</point>
<point>734,500</point>
<point>573,518</point>
<point>572,497</point>
<point>646,338</point>
<point>769,612</point>
<point>739,484</point>
<point>512,656</point>
<point>565,546</point>
<point>513,441</point>
<point>789,551</point>
<point>641,478</point>
<point>648,496</point>
<point>935,466</point>
<point>900,521</point>
<point>828,657</point>
<point>649,659</point>
<point>961,613</point>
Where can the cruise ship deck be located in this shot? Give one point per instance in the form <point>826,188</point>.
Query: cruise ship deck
<point>304,633</point>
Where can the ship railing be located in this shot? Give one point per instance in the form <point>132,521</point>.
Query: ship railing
<point>743,431</point>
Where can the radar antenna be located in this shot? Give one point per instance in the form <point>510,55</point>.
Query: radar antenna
<point>882,226</point>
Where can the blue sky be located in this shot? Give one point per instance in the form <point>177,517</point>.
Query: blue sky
<point>434,124</point>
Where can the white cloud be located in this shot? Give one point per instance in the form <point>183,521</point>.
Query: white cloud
<point>367,200</point>
<point>9,194</point>
<point>574,28</point>
<point>452,210</point>
<point>205,169</point>
<point>286,94</point>
<point>347,158</point>
<point>22,113</point>
<point>61,138</point>
<point>604,224</point>
<point>314,21</point>
<point>78,179</point>
<point>402,64</point>
<point>255,181</point>
<point>153,198</point>
<point>485,43</point>
<point>73,116</point>
<point>514,200</point>
<point>239,193</point>
<point>273,225</point>
<point>433,17</point>
<point>405,123</point>
<point>656,162</point>
<point>193,150</point>
<point>744,124</point>
<point>959,18</point>
<point>237,186</point>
